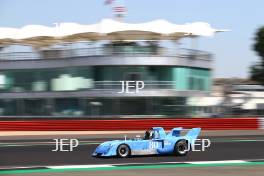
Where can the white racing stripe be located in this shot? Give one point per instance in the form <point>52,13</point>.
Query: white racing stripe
<point>217,162</point>
<point>79,166</point>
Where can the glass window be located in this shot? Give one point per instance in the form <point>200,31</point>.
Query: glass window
<point>67,107</point>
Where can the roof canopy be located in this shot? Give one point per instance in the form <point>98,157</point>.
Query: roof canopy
<point>107,29</point>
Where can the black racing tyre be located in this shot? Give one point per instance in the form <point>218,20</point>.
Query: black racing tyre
<point>123,151</point>
<point>181,148</point>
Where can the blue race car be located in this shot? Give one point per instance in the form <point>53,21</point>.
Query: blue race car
<point>155,141</point>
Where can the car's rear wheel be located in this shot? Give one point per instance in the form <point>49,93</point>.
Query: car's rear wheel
<point>181,148</point>
<point>123,151</point>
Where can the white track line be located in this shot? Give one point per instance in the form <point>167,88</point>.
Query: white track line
<point>79,166</point>
<point>169,162</point>
<point>126,164</point>
<point>217,162</point>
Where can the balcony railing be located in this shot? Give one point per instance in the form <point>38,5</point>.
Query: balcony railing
<point>95,85</point>
<point>105,51</point>
<point>112,85</point>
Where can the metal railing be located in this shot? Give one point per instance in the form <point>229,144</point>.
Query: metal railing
<point>96,85</point>
<point>105,51</point>
<point>111,85</point>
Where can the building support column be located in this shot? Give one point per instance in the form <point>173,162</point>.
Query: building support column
<point>49,107</point>
<point>82,105</point>
<point>20,107</point>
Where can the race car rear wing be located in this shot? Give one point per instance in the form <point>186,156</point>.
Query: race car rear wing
<point>193,133</point>
<point>179,131</point>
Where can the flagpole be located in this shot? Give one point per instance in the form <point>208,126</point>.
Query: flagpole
<point>118,9</point>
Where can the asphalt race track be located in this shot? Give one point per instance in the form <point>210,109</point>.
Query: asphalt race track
<point>39,153</point>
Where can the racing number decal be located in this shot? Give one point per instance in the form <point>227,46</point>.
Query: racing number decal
<point>153,145</point>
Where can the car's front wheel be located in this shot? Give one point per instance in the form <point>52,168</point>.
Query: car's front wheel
<point>123,151</point>
<point>181,148</point>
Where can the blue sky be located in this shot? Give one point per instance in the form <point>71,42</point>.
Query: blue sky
<point>232,50</point>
